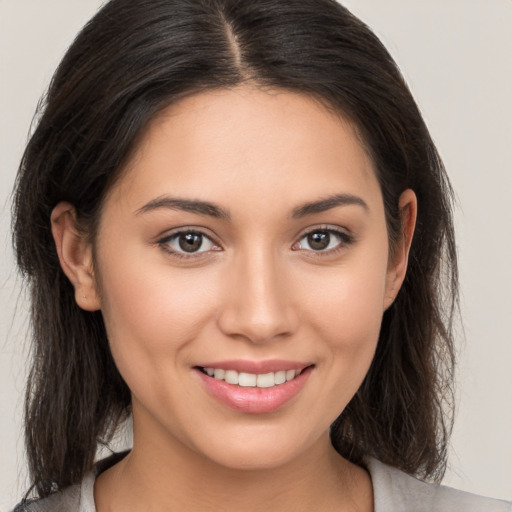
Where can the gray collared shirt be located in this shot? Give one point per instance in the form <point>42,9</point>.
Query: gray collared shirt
<point>394,491</point>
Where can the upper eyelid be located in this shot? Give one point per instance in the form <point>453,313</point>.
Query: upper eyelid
<point>186,229</point>
<point>164,242</point>
<point>347,238</point>
<point>344,232</point>
<point>325,227</point>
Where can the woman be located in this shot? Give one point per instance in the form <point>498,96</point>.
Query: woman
<point>232,218</point>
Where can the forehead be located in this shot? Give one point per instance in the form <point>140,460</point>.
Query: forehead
<point>271,145</point>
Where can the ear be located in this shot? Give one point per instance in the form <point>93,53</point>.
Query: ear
<point>75,256</point>
<point>397,266</point>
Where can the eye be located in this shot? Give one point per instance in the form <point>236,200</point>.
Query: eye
<point>188,242</point>
<point>323,240</point>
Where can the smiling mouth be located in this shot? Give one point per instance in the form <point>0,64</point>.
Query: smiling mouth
<point>252,380</point>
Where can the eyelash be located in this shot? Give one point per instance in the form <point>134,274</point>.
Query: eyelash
<point>344,239</point>
<point>165,243</point>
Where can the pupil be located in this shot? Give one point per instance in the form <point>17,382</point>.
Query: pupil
<point>319,240</point>
<point>190,242</point>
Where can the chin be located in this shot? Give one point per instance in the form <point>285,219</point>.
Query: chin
<point>256,459</point>
<point>258,451</point>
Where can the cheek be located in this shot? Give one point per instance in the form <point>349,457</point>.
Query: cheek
<point>351,328</point>
<point>348,319</point>
<point>345,313</point>
<point>347,306</point>
<point>152,313</point>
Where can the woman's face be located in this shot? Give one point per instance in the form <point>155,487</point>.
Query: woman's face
<point>246,239</point>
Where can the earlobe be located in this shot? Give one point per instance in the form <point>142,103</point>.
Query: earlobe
<point>75,256</point>
<point>397,268</point>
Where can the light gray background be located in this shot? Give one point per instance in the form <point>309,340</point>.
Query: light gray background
<point>457,57</point>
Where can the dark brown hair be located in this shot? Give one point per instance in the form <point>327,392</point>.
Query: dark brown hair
<point>131,60</point>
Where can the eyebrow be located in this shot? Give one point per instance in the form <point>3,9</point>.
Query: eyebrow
<point>327,204</point>
<point>187,205</point>
<point>213,210</point>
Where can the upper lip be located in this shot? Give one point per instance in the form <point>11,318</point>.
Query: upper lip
<point>256,367</point>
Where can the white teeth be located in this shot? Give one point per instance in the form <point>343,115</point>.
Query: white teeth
<point>280,377</point>
<point>263,380</point>
<point>231,377</point>
<point>290,374</point>
<point>247,379</point>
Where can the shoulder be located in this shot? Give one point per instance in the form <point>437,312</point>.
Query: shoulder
<point>67,500</point>
<point>77,498</point>
<point>395,491</point>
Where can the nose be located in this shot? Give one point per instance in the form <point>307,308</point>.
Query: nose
<point>258,304</point>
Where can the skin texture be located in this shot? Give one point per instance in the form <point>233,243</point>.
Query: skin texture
<point>256,292</point>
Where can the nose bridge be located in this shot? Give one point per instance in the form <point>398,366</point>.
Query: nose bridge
<point>257,305</point>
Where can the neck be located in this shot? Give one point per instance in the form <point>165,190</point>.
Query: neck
<point>168,476</point>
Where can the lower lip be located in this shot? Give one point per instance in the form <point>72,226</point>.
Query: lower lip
<point>253,399</point>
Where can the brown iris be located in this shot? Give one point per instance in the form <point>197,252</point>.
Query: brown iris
<point>190,242</point>
<point>319,240</point>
